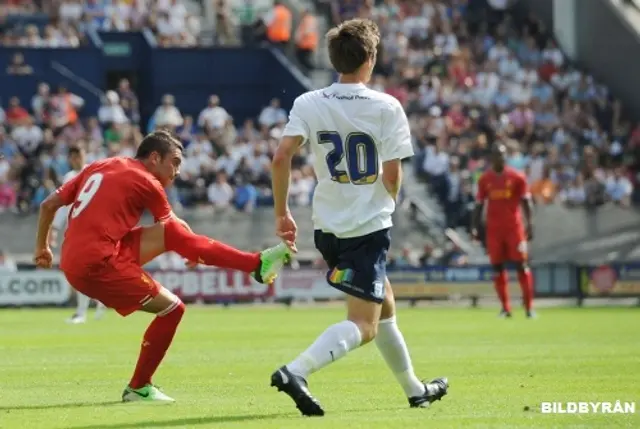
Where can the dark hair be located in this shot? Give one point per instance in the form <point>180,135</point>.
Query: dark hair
<point>74,150</point>
<point>352,43</point>
<point>160,141</point>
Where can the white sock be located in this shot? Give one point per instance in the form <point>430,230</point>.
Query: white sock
<point>335,342</point>
<point>100,308</point>
<point>394,350</point>
<point>82,305</point>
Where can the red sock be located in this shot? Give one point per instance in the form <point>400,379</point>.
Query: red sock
<point>526,284</point>
<point>501,283</point>
<point>202,249</point>
<point>155,343</point>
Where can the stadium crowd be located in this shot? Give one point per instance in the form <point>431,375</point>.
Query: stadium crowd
<point>467,75</point>
<point>65,23</point>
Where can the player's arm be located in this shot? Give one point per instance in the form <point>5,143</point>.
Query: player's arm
<point>295,134</point>
<point>281,172</point>
<point>476,217</point>
<point>59,221</point>
<point>63,196</point>
<point>392,177</point>
<point>48,209</point>
<point>527,206</point>
<point>395,145</point>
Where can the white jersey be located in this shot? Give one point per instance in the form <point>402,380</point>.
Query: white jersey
<point>60,219</point>
<point>352,130</point>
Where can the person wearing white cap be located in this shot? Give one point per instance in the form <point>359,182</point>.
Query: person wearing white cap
<point>111,112</point>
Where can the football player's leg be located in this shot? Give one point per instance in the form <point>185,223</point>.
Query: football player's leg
<point>172,236</point>
<point>393,349</point>
<point>357,268</point>
<point>350,270</point>
<point>82,305</point>
<point>496,249</point>
<point>518,250</point>
<point>157,339</point>
<point>100,310</point>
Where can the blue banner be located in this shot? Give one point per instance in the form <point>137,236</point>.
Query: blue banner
<point>245,79</point>
<point>619,280</point>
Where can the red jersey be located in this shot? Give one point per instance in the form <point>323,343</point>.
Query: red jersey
<point>106,201</point>
<point>504,193</point>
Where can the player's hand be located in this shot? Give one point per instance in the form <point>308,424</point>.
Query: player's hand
<point>43,258</point>
<point>287,230</point>
<point>529,232</point>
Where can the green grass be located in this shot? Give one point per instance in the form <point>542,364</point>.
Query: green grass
<point>53,375</point>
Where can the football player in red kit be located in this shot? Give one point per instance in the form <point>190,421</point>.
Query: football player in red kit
<point>103,251</point>
<point>507,197</point>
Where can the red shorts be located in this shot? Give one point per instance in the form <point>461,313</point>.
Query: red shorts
<point>121,283</point>
<point>507,246</point>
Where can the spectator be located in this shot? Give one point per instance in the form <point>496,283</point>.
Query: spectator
<point>16,114</point>
<point>167,114</point>
<point>129,101</point>
<point>544,190</point>
<point>278,23</point>
<point>301,188</point>
<point>306,40</point>
<point>28,137</point>
<point>7,192</point>
<point>220,193</point>
<point>247,14</point>
<point>111,112</point>
<point>272,114</point>
<point>574,195</point>
<point>225,32</point>
<point>40,104</point>
<point>64,109</point>
<point>213,117</point>
<point>18,66</point>
<point>619,188</point>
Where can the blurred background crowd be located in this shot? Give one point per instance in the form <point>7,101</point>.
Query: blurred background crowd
<point>468,74</point>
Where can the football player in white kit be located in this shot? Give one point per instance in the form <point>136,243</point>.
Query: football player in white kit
<point>77,160</point>
<point>358,137</point>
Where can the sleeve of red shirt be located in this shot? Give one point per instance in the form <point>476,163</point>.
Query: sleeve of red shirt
<point>68,192</point>
<point>155,200</point>
<point>481,195</point>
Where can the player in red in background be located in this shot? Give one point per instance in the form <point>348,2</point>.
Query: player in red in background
<point>104,251</point>
<point>506,192</point>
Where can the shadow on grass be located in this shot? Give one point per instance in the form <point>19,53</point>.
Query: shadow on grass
<point>57,406</point>
<point>185,422</point>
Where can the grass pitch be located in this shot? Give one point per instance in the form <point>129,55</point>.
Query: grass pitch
<point>53,375</point>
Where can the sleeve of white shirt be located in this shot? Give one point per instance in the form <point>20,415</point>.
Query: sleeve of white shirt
<point>297,126</point>
<point>396,135</point>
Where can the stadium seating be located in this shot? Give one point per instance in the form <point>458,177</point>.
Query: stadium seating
<point>409,67</point>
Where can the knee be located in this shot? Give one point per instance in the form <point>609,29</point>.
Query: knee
<point>175,310</point>
<point>498,268</point>
<point>368,330</point>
